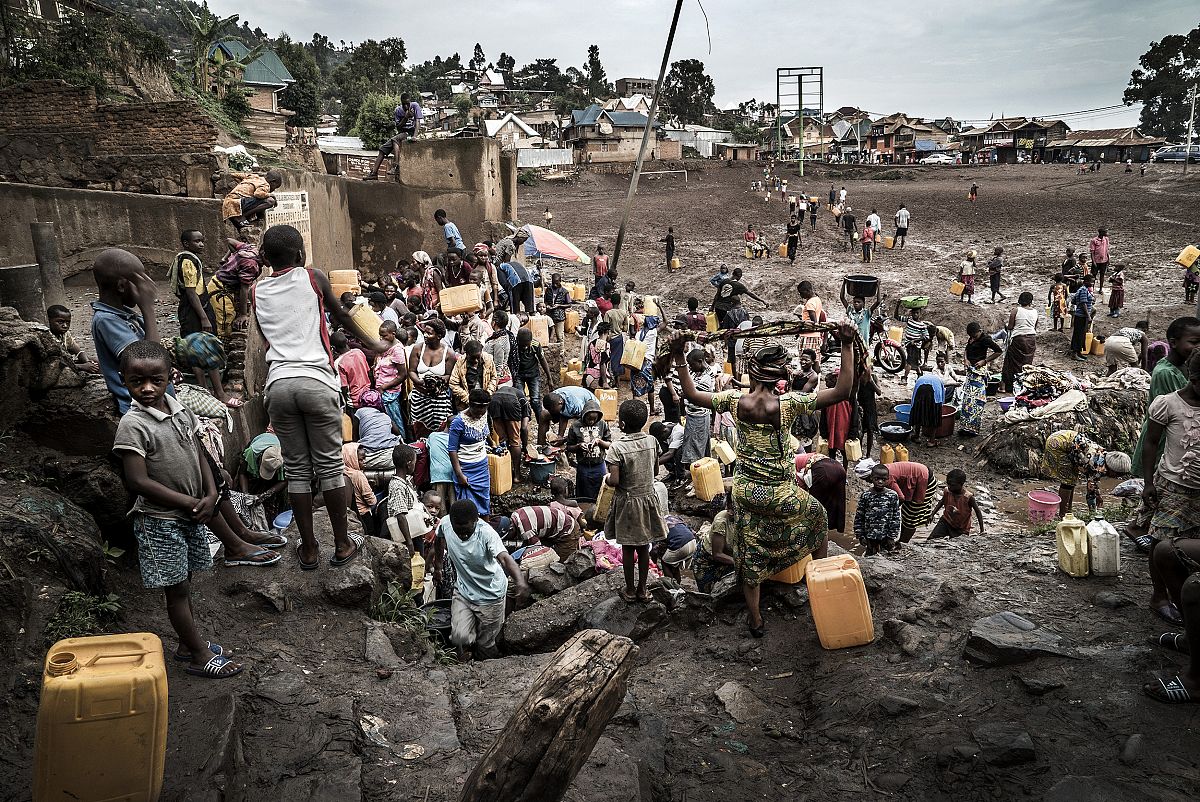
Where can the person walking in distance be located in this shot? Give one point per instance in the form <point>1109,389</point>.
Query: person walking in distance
<point>901,218</point>
<point>794,227</point>
<point>669,242</point>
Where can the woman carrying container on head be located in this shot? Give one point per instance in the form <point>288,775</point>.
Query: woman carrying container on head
<point>777,522</point>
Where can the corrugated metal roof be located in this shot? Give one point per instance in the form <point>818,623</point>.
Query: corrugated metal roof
<point>620,119</point>
<point>266,70</point>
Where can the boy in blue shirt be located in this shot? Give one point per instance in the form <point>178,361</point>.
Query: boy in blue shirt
<point>123,314</point>
<point>454,240</point>
<point>480,563</point>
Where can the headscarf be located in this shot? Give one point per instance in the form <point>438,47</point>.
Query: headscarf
<point>769,364</point>
<point>481,249</point>
<point>364,497</point>
<point>200,349</point>
<point>505,249</point>
<point>422,258</point>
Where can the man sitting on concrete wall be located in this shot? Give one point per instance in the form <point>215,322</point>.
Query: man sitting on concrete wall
<point>407,116</point>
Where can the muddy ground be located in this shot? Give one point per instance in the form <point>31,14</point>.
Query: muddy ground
<point>321,715</point>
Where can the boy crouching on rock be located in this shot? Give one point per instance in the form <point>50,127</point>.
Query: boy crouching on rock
<point>177,496</point>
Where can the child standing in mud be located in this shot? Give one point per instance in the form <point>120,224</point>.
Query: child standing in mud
<point>877,519</point>
<point>1056,302</point>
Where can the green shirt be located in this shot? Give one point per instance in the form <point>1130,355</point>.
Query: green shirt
<point>1164,379</point>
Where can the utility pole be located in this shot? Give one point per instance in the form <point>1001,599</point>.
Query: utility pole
<point>1187,152</point>
<point>637,168</point>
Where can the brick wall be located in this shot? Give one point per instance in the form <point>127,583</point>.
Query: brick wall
<point>54,134</point>
<point>261,98</point>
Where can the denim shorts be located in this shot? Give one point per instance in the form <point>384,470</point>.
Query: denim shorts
<point>169,549</point>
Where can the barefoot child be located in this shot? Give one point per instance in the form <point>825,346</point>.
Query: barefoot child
<point>635,518</point>
<point>59,318</point>
<point>1116,291</point>
<point>877,520</point>
<point>958,503</point>
<point>1056,300</point>
<point>481,589</point>
<point>177,496</point>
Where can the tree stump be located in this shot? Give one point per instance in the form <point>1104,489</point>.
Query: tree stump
<point>549,737</point>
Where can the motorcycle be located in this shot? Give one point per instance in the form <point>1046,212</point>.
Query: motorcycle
<point>887,353</point>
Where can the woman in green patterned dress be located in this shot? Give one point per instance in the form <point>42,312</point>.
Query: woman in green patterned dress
<point>777,522</point>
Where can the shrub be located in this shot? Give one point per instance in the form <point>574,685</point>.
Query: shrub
<point>375,123</point>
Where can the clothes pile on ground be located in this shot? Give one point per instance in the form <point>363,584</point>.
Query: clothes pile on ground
<point>1109,410</point>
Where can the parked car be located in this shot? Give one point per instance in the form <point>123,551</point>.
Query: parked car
<point>937,158</point>
<point>1174,153</point>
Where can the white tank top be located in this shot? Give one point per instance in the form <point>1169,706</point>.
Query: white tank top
<point>437,369</point>
<point>1026,321</point>
<point>291,315</point>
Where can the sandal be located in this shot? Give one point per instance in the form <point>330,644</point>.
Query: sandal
<point>627,595</point>
<point>1172,691</point>
<point>312,566</point>
<point>219,667</point>
<point>1170,613</point>
<point>644,598</point>
<point>1144,543</point>
<point>1170,640</point>
<point>358,541</point>
<point>757,631</point>
<point>215,648</point>
<point>272,557</point>
<point>270,540</point>
<point>234,403</point>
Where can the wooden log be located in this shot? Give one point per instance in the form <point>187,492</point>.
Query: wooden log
<point>548,739</point>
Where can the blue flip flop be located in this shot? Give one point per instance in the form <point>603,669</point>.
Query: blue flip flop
<point>248,560</point>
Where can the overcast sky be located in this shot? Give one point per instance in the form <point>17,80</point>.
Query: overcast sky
<point>928,58</point>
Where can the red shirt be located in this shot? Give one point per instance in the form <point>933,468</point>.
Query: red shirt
<point>600,265</point>
<point>910,480</point>
<point>353,372</point>
<point>604,305</point>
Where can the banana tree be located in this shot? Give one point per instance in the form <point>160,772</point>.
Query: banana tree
<point>205,29</point>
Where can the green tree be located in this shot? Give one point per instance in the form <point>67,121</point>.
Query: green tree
<point>478,60</point>
<point>745,134</point>
<point>463,104</point>
<point>1162,81</point>
<point>375,122</point>
<point>204,29</point>
<point>322,52</point>
<point>597,81</point>
<point>236,102</point>
<point>688,91</point>
<point>506,63</point>
<point>373,67</point>
<point>542,75</point>
<point>303,95</point>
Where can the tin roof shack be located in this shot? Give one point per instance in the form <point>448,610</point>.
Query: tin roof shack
<point>736,151</point>
<point>599,135</point>
<point>698,137</point>
<point>1012,140</point>
<point>346,156</point>
<point>1105,144</point>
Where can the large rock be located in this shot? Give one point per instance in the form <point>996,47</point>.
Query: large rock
<point>85,420</point>
<point>393,562</point>
<point>92,483</point>
<point>1096,789</point>
<point>550,580</point>
<point>581,565</point>
<point>615,615</point>
<point>1006,638</point>
<point>740,702</point>
<point>351,585</point>
<point>50,536</point>
<point>548,624</point>
<point>1004,744</point>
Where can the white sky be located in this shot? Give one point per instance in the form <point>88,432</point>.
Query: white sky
<point>927,58</point>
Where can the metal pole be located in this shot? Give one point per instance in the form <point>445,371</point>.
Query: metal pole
<point>800,102</point>
<point>778,118</point>
<point>1187,152</point>
<point>637,167</point>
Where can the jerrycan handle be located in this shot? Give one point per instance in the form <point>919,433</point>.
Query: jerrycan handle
<point>114,655</point>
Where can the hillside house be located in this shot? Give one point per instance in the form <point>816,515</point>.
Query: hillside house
<point>512,133</point>
<point>627,87</point>
<point>1010,140</point>
<point>600,135</point>
<point>263,78</point>
<point>639,104</point>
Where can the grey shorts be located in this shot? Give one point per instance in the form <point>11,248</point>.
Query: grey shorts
<point>170,549</point>
<point>476,625</point>
<point>307,417</point>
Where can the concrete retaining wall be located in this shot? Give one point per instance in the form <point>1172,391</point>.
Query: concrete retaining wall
<point>89,221</point>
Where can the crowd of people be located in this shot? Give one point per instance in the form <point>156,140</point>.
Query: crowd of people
<point>402,418</point>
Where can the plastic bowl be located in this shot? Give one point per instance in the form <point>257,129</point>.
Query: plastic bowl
<point>902,412</point>
<point>862,286</point>
<point>283,520</point>
<point>1006,402</point>
<point>914,301</point>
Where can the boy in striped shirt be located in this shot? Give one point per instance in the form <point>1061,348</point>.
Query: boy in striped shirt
<point>916,335</point>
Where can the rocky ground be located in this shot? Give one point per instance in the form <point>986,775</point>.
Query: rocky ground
<point>992,675</point>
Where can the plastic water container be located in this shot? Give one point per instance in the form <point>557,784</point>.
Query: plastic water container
<point>608,403</point>
<point>366,322</point>
<point>1043,506</point>
<point>540,327</point>
<point>1087,343</point>
<point>341,289</point>
<point>418,571</point>
<point>710,321</point>
<point>634,354</point>
<point>347,429</point>
<point>572,321</point>
<point>889,242</point>
<point>344,277</point>
<point>540,471</point>
<point>1072,538</point>
<point>1188,256</point>
<point>853,449</point>
<point>1104,547</point>
<point>887,455</point>
<point>722,451</point>
<point>903,411</point>
<point>783,249</point>
<point>896,333</point>
<point>578,292</point>
<point>650,304</point>
<point>571,378</point>
<point>901,452</point>
<point>1097,348</point>
<point>794,573</point>
<point>460,300</point>
<point>500,472</point>
<point>839,603</point>
<point>675,263</point>
<point>102,720</point>
<point>706,478</point>
<point>603,502</point>
<point>575,365</point>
